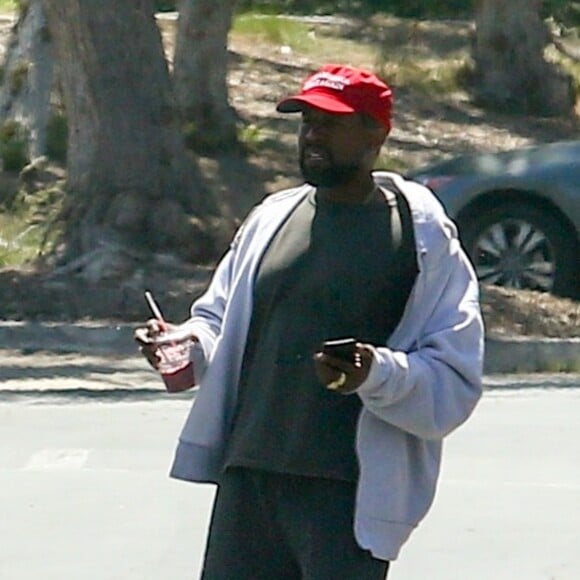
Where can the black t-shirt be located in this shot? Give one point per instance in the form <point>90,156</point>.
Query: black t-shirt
<point>332,270</point>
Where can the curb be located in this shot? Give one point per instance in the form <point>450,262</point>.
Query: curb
<point>531,355</point>
<point>116,395</point>
<point>502,354</point>
<point>83,338</point>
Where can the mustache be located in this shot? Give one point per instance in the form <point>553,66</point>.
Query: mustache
<point>315,150</point>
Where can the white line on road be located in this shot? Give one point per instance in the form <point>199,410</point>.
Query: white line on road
<point>58,459</point>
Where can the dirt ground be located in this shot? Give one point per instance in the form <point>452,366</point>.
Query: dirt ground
<point>427,127</point>
<point>29,295</point>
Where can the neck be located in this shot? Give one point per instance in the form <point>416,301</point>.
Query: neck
<point>356,193</point>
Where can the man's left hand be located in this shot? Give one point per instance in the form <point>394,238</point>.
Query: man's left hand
<point>341,376</point>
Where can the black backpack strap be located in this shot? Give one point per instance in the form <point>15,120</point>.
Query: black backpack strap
<point>403,232</point>
<point>395,214</point>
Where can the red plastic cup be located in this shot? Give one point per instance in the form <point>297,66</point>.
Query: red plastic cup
<point>176,365</point>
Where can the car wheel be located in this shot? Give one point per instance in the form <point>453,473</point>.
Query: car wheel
<point>518,246</point>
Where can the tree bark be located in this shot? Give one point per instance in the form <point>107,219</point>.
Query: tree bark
<point>132,188</point>
<point>29,76</point>
<point>510,69</point>
<point>200,73</point>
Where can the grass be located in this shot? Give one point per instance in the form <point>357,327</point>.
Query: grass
<point>8,5</point>
<point>19,240</point>
<point>439,78</point>
<point>251,135</point>
<point>27,225</point>
<point>274,30</point>
<point>396,57</point>
<point>319,41</point>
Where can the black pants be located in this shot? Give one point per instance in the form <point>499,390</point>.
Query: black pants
<point>266,526</point>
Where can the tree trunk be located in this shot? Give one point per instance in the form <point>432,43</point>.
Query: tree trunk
<point>511,72</point>
<point>28,78</point>
<point>132,189</point>
<point>200,73</point>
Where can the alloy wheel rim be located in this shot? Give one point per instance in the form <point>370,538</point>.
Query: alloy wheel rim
<point>515,254</point>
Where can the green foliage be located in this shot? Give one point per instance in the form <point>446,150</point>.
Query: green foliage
<point>26,226</point>
<point>13,146</point>
<point>9,5</point>
<point>57,138</point>
<point>251,136</point>
<point>18,242</point>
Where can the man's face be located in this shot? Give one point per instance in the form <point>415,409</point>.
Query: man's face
<point>334,148</point>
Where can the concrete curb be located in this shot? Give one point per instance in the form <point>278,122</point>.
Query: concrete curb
<point>86,338</point>
<point>531,355</point>
<point>77,395</point>
<point>503,354</point>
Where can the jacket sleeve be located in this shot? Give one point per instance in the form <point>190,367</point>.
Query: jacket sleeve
<point>432,389</point>
<point>208,310</point>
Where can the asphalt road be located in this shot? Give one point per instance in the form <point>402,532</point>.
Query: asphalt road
<point>86,494</point>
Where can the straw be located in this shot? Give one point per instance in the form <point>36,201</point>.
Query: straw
<point>157,313</point>
<point>155,309</point>
<point>153,306</point>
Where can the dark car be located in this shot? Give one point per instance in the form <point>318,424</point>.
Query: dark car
<point>518,213</point>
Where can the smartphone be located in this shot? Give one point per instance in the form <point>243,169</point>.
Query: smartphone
<point>342,348</point>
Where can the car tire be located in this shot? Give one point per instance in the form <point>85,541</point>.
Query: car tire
<point>521,246</point>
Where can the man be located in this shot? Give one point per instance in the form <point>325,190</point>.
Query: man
<point>326,464</point>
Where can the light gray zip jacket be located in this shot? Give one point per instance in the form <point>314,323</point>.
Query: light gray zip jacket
<point>423,384</point>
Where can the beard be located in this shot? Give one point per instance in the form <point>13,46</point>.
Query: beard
<point>328,173</point>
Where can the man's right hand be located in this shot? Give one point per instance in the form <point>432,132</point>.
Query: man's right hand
<point>155,333</point>
<point>146,337</point>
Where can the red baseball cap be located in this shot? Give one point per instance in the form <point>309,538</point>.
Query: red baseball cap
<point>343,89</point>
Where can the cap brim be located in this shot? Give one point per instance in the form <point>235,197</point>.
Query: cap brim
<point>322,102</point>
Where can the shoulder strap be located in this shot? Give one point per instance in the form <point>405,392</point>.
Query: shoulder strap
<point>402,228</point>
<point>395,215</point>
